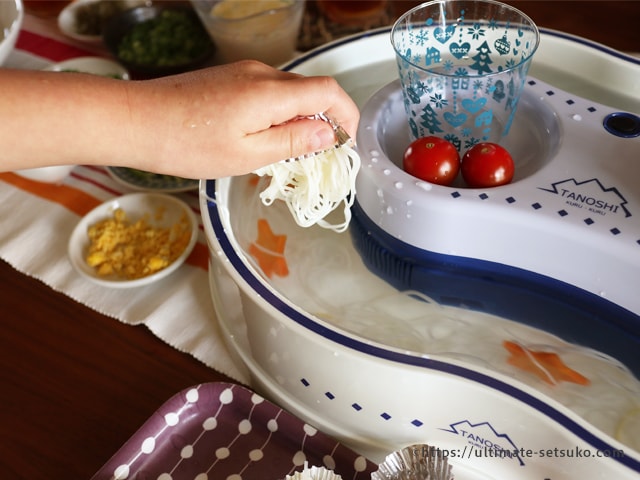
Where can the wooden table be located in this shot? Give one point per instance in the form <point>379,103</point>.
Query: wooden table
<point>75,385</point>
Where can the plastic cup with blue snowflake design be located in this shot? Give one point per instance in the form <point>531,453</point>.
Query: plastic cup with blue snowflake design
<point>462,66</point>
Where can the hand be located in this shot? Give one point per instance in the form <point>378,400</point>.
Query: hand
<point>233,119</point>
<point>216,122</point>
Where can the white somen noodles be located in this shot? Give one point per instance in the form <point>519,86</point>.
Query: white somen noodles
<point>314,186</point>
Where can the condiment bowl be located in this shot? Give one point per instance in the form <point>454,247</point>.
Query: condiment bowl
<point>93,65</point>
<point>160,211</point>
<point>177,42</point>
<point>52,174</point>
<point>11,18</point>
<point>84,20</point>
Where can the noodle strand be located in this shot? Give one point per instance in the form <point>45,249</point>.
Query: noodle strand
<point>312,187</point>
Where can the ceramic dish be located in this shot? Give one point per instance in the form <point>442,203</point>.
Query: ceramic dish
<point>153,49</point>
<point>11,18</point>
<point>94,65</point>
<point>162,211</point>
<point>221,430</point>
<point>97,13</point>
<point>312,340</point>
<point>147,181</point>
<point>52,174</point>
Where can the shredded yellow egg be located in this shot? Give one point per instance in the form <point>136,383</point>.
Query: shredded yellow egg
<point>312,187</point>
<point>130,250</point>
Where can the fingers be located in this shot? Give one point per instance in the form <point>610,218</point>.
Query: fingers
<point>311,95</point>
<point>282,131</point>
<point>290,140</point>
<point>259,113</point>
<point>287,95</point>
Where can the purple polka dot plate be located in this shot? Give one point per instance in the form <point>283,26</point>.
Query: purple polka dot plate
<point>225,431</point>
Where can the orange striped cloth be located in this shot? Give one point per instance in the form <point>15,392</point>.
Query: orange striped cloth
<point>72,196</point>
<point>38,218</point>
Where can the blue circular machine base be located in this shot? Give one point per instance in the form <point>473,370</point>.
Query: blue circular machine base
<point>575,315</point>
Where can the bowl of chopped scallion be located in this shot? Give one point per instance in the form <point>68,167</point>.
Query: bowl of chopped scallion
<point>154,41</point>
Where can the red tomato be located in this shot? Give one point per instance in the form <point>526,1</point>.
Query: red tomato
<point>487,165</point>
<point>432,159</point>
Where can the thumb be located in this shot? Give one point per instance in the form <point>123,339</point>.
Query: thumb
<point>294,139</point>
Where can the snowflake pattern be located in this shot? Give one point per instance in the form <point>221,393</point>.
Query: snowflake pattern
<point>471,142</point>
<point>476,31</point>
<point>438,101</point>
<point>422,37</point>
<point>448,65</point>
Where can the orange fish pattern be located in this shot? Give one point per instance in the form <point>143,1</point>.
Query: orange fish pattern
<point>547,366</point>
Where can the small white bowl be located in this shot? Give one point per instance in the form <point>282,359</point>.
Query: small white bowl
<point>67,22</point>
<point>135,205</point>
<point>67,19</point>
<point>94,65</point>
<point>52,174</point>
<point>11,18</point>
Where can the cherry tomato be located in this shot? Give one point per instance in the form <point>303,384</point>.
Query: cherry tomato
<point>487,165</point>
<point>432,159</point>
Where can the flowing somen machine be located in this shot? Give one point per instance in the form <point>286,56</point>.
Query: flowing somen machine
<point>433,337</point>
<point>559,248</point>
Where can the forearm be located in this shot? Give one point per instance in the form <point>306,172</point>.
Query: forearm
<point>52,118</point>
<point>220,121</point>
